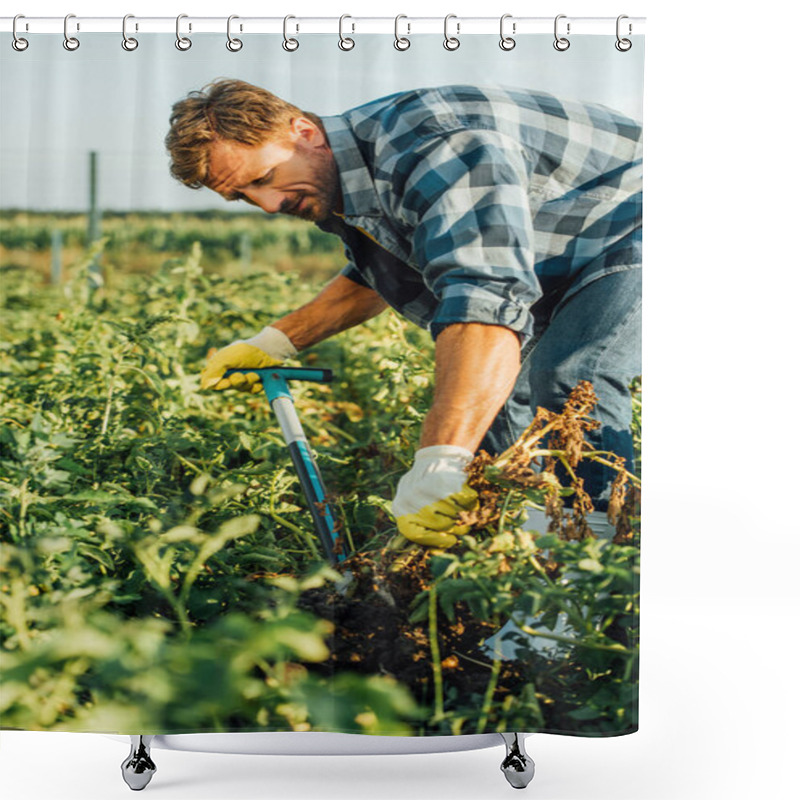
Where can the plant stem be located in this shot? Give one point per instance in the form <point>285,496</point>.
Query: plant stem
<point>621,649</point>
<point>187,463</point>
<point>472,660</point>
<point>177,606</point>
<point>438,688</point>
<point>491,687</point>
<point>501,523</point>
<point>14,602</point>
<point>107,413</point>
<point>592,455</point>
<point>303,535</point>
<point>183,619</point>
<point>506,455</point>
<point>345,527</point>
<point>23,507</point>
<point>568,468</point>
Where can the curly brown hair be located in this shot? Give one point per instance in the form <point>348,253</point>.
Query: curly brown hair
<point>225,109</point>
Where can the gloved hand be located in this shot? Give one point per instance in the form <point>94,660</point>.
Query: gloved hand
<point>266,349</point>
<point>432,494</point>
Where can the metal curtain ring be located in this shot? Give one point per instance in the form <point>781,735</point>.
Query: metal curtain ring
<point>507,42</point>
<point>623,45</point>
<point>70,42</point>
<point>561,43</point>
<point>289,45</point>
<point>234,45</point>
<point>18,43</point>
<point>346,43</point>
<point>451,42</point>
<point>181,42</point>
<point>401,43</point>
<point>128,42</point>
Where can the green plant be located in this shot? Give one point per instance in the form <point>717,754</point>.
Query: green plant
<point>159,567</point>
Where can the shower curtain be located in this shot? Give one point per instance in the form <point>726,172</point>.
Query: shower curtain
<point>163,568</point>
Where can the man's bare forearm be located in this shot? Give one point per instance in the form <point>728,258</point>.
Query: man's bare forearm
<point>340,305</point>
<point>476,369</point>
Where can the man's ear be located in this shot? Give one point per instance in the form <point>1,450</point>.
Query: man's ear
<point>303,128</point>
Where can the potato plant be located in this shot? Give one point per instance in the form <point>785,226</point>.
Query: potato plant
<point>159,567</point>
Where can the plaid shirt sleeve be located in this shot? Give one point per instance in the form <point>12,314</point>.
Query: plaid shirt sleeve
<point>350,270</point>
<point>465,200</point>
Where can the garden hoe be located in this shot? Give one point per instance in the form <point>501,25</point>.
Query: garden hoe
<point>275,382</point>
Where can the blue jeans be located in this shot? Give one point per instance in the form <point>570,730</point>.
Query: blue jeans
<point>594,335</point>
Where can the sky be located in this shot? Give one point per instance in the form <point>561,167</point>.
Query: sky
<point>59,105</point>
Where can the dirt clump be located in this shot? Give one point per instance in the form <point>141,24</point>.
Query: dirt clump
<point>373,635</point>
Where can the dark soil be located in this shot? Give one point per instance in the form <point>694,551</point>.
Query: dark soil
<point>373,635</point>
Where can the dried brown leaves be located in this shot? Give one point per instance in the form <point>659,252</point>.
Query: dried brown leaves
<point>566,446</point>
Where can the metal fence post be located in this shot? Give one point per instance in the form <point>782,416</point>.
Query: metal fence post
<point>56,239</point>
<point>95,272</point>
<point>245,250</point>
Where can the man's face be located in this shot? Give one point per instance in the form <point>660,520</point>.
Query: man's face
<point>293,174</point>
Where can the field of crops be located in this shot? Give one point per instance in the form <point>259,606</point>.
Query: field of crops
<point>141,242</point>
<point>159,567</point>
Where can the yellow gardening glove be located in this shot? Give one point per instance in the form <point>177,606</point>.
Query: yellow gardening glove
<point>436,525</point>
<point>266,349</point>
<point>432,494</point>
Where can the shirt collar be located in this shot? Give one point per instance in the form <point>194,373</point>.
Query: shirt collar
<point>358,189</point>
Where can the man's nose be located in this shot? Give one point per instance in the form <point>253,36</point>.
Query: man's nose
<point>267,199</point>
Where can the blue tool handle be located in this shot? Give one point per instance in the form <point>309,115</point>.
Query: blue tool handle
<point>288,373</point>
<point>274,380</point>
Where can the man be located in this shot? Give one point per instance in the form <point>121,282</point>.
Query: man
<point>506,222</point>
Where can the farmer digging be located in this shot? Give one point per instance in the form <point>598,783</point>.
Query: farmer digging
<point>505,222</point>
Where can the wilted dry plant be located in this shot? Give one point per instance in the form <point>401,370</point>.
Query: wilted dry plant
<point>554,439</point>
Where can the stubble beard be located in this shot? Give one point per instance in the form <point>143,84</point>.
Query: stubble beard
<point>327,197</point>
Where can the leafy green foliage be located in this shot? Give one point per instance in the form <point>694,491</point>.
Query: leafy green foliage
<point>140,242</point>
<point>157,547</point>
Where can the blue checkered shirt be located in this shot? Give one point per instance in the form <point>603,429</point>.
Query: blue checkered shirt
<point>488,205</point>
